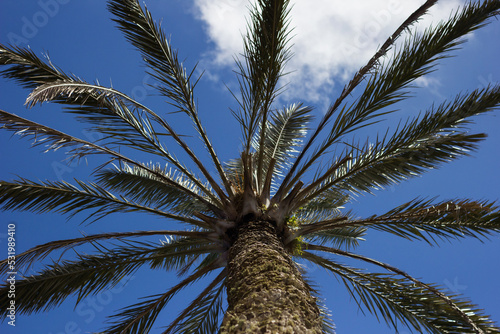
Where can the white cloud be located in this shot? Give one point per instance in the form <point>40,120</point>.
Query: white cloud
<point>332,38</point>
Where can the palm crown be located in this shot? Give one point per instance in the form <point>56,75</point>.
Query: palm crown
<point>285,187</point>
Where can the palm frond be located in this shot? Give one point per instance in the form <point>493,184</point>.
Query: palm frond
<point>141,186</point>
<point>290,179</point>
<point>93,103</point>
<point>419,219</point>
<point>177,253</point>
<point>421,144</point>
<point>431,221</point>
<point>328,326</point>
<point>65,198</point>
<point>234,171</point>
<point>90,274</point>
<point>27,69</point>
<point>202,315</point>
<point>175,83</point>
<point>264,56</point>
<point>54,140</point>
<point>266,52</point>
<point>326,205</point>
<point>417,57</point>
<point>400,301</point>
<point>121,119</point>
<point>463,314</point>
<point>344,237</point>
<point>285,130</point>
<point>139,318</point>
<point>26,259</point>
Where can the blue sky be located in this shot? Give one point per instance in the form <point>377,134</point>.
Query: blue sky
<point>81,39</point>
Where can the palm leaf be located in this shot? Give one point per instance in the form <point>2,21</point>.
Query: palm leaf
<point>266,52</point>
<point>290,179</point>
<point>421,144</point>
<point>419,219</point>
<point>66,198</point>
<point>177,253</point>
<point>51,138</point>
<point>175,83</point>
<point>141,186</point>
<point>54,140</point>
<point>117,116</point>
<point>326,205</point>
<point>446,220</point>
<point>27,69</point>
<point>90,274</point>
<point>26,259</point>
<point>202,315</point>
<point>416,58</point>
<point>121,119</point>
<point>344,237</point>
<point>462,313</point>
<point>285,130</point>
<point>398,300</point>
<point>264,56</point>
<point>139,318</point>
<point>95,104</point>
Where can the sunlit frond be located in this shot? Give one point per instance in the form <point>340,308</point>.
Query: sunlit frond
<point>27,69</point>
<point>120,119</point>
<point>421,144</point>
<point>141,186</point>
<point>265,53</point>
<point>285,131</point>
<point>174,81</point>
<point>386,86</point>
<point>400,301</point>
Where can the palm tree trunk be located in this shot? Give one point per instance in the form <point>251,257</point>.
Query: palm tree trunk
<point>266,292</point>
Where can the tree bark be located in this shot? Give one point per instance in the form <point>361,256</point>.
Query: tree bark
<point>266,292</point>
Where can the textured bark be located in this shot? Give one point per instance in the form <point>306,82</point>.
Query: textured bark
<point>266,292</point>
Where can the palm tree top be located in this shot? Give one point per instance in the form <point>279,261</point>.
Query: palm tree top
<point>293,172</point>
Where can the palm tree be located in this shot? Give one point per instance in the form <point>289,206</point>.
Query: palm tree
<point>280,200</point>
